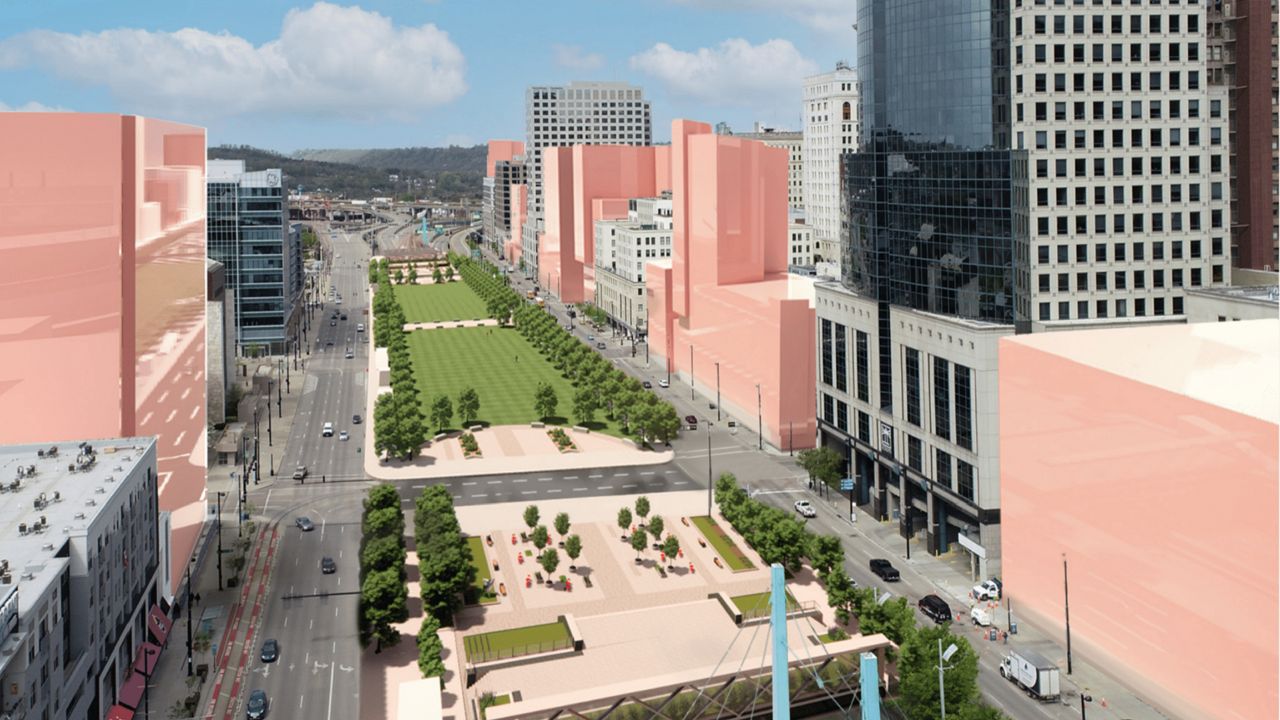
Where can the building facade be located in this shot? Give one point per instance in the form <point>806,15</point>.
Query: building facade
<point>102,245</point>
<point>249,235</point>
<point>83,548</point>
<point>793,142</point>
<point>622,249</point>
<point>580,113</point>
<point>801,248</point>
<point>504,168</point>
<point>220,357</point>
<point>1243,59</point>
<point>831,129</point>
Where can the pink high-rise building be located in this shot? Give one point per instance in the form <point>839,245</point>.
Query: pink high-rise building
<point>102,307</point>
<point>519,195</point>
<point>1139,467</point>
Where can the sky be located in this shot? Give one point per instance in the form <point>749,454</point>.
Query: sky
<point>400,73</point>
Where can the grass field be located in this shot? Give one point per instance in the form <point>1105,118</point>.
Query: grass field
<point>446,360</point>
<point>517,641</point>
<point>757,604</point>
<point>723,544</point>
<point>440,303</point>
<point>482,571</point>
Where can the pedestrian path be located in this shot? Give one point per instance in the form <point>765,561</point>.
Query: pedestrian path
<point>238,639</point>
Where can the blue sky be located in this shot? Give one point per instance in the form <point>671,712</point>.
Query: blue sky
<point>395,73</point>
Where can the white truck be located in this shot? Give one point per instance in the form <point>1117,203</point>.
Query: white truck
<point>1033,673</point>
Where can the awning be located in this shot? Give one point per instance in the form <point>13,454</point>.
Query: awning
<point>119,712</point>
<point>145,660</point>
<point>131,691</point>
<point>159,624</point>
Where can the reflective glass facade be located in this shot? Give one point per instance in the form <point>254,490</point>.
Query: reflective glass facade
<point>930,196</point>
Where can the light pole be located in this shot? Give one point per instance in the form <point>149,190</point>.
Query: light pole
<point>717,390</point>
<point>691,380</point>
<point>1084,698</point>
<point>190,671</point>
<point>220,496</point>
<point>943,657</point>
<point>759,418</point>
<point>710,482</point>
<point>1066,609</point>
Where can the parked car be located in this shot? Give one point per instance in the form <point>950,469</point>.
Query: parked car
<point>988,589</point>
<point>885,570</point>
<point>663,384</point>
<point>935,608</point>
<point>300,472</point>
<point>591,338</point>
<point>359,327</point>
<point>599,346</point>
<point>647,385</point>
<point>692,421</point>
<point>328,566</point>
<point>980,616</point>
<point>356,419</point>
<point>806,509</point>
<point>304,524</point>
<point>270,650</point>
<point>256,708</point>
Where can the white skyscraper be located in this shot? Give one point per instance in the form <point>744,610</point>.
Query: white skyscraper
<point>830,129</point>
<point>580,113</point>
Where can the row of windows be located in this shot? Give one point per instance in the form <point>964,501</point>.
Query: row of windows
<point>1136,166</point>
<point>1153,137</point>
<point>1097,52</point>
<point>1137,194</point>
<point>1120,277</point>
<point>1154,109</point>
<point>1154,81</point>
<point>1119,253</point>
<point>1097,24</point>
<point>1100,308</point>
<point>1138,223</point>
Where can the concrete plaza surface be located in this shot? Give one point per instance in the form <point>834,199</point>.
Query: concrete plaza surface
<point>638,627</point>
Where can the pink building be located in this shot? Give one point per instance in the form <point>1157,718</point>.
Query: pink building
<point>582,184</point>
<point>1147,459</point>
<point>502,151</point>
<point>519,203</point>
<point>724,311</point>
<point>102,311</point>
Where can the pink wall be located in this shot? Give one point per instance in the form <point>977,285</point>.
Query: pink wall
<point>502,151</point>
<point>726,297</point>
<point>1166,510</point>
<point>102,242</point>
<point>515,246</point>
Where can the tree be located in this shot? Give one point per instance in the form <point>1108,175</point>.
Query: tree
<point>584,406</point>
<point>671,546</point>
<point>448,274</point>
<point>399,276</point>
<point>441,412</point>
<point>639,540</point>
<point>443,567</point>
<point>549,560</point>
<point>382,553</point>
<point>825,552</point>
<point>642,508</point>
<point>895,618</point>
<point>545,401</point>
<point>541,538</point>
<point>384,522</point>
<point>562,524</point>
<point>918,673</point>
<point>655,527</point>
<point>531,516</point>
<point>573,548</point>
<point>823,464</point>
<point>665,424</point>
<point>384,602</point>
<point>841,593</point>
<point>436,275</point>
<point>624,520</point>
<point>468,404</point>
<point>413,274</point>
<point>430,648</point>
<point>381,496</point>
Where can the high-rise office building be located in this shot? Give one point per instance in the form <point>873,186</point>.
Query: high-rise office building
<point>1023,166</point>
<point>250,236</point>
<point>580,113</point>
<point>1242,57</point>
<point>830,130</point>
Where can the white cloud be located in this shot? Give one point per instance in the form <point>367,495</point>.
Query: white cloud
<point>572,57</point>
<point>826,16</point>
<point>328,58</point>
<point>736,73</point>
<point>30,106</point>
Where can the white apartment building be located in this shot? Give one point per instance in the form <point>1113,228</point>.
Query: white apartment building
<point>831,128</point>
<point>623,248</point>
<point>580,113</point>
<point>1127,201</point>
<point>793,142</point>
<point>81,545</point>
<point>495,210</point>
<point>800,244</point>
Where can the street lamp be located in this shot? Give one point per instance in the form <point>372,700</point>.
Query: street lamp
<point>759,417</point>
<point>692,382</point>
<point>1066,609</point>
<point>220,496</point>
<point>710,482</point>
<point>943,657</point>
<point>717,390</point>
<point>1084,698</point>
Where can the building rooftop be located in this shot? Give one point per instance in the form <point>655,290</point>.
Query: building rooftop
<point>1261,294</point>
<point>1227,364</point>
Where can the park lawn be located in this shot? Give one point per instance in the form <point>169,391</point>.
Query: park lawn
<point>440,303</point>
<point>447,360</point>
<point>723,544</point>
<point>482,571</point>
<point>757,604</point>
<point>517,641</point>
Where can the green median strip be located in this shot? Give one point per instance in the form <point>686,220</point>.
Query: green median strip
<point>482,571</point>
<point>728,549</point>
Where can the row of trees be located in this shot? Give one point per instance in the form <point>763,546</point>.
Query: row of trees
<point>446,571</point>
<point>778,537</point>
<point>548,557</point>
<point>399,428</point>
<point>384,596</point>
<point>655,526</point>
<point>485,281</point>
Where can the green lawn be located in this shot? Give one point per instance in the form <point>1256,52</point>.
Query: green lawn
<point>440,303</point>
<point>757,604</point>
<point>516,642</point>
<point>446,360</point>
<point>723,544</point>
<point>482,571</point>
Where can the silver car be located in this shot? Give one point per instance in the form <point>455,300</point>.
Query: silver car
<point>805,509</point>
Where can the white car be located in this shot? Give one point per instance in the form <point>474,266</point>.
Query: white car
<point>804,508</point>
<point>987,590</point>
<point>327,431</point>
<point>343,435</point>
<point>664,384</point>
<point>980,616</point>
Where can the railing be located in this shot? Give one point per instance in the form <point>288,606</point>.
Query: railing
<point>794,607</point>
<point>479,650</point>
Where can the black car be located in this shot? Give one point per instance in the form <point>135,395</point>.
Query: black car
<point>270,650</point>
<point>885,570</point>
<point>256,708</point>
<point>692,420</point>
<point>328,566</point>
<point>935,608</point>
<point>344,317</point>
<point>356,419</point>
<point>647,385</point>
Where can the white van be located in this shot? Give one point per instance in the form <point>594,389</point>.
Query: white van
<point>360,327</point>
<point>328,430</point>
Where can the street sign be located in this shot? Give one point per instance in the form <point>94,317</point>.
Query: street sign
<point>846,484</point>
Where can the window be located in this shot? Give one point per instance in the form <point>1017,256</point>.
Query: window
<point>915,453</point>
<point>964,407</point>
<point>943,468</point>
<point>964,479</point>
<point>1100,280</point>
<point>864,427</point>
<point>828,354</point>
<point>842,359</point>
<point>911,380</point>
<point>861,351</point>
<point>829,408</point>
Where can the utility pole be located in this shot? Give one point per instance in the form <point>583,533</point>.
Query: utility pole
<point>220,496</point>
<point>759,417</point>
<point>691,380</point>
<point>710,481</point>
<point>717,390</point>
<point>1066,609</point>
<point>190,670</point>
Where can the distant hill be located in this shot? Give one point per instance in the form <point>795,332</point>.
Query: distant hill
<point>436,173</point>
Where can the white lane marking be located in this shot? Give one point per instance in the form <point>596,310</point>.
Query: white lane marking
<point>579,489</point>
<point>624,487</point>
<point>170,418</point>
<point>680,482</point>
<point>520,480</point>
<point>165,394</point>
<point>267,502</point>
<point>178,440</point>
<point>418,487</point>
<point>146,418</point>
<point>605,487</point>
<point>495,482</point>
<point>621,474</point>
<point>479,495</point>
<point>570,477</point>
<point>286,620</point>
<point>544,479</point>
<point>529,492</point>
<point>650,472</point>
<point>468,483</point>
<point>195,411</point>
<point>594,477</point>
<point>186,392</point>
<point>554,490</point>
